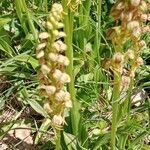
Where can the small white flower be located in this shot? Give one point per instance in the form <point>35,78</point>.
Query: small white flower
<point>43,35</point>
<point>58,120</point>
<point>47,107</point>
<point>143,6</point>
<point>120,6</point>
<point>61,35</point>
<point>144,17</point>
<point>135,2</point>
<point>63,60</point>
<point>40,54</point>
<point>53,57</point>
<point>142,44</point>
<point>57,8</point>
<point>57,74</point>
<point>41,46</point>
<point>130,54</point>
<point>65,78</point>
<point>59,96</point>
<point>60,46</point>
<point>133,24</point>
<point>45,69</point>
<point>50,89</point>
<point>137,32</point>
<point>68,104</point>
<point>140,61</point>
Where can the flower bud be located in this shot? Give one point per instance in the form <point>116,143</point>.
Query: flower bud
<point>60,25</point>
<point>58,120</point>
<point>41,46</point>
<point>53,20</point>
<point>43,35</point>
<point>40,54</point>
<point>49,25</point>
<point>45,69</point>
<point>135,2</point>
<point>118,58</point>
<point>140,61</point>
<point>55,33</point>
<point>142,44</point>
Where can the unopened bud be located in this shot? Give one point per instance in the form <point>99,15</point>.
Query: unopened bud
<point>49,25</point>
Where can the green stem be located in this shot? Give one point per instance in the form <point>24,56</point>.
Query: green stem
<point>30,21</point>
<point>115,105</point>
<point>57,140</point>
<point>68,20</point>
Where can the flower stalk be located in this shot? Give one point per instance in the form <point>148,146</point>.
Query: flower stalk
<point>51,54</point>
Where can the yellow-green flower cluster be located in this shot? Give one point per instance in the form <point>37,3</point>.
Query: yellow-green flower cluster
<point>51,54</point>
<point>131,23</point>
<point>73,4</point>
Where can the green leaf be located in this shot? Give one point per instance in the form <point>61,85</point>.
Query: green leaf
<point>37,107</point>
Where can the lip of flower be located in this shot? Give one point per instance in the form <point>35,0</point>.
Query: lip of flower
<point>45,69</point>
<point>41,46</point>
<point>58,120</point>
<point>59,46</point>
<point>118,58</point>
<point>40,54</point>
